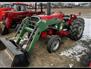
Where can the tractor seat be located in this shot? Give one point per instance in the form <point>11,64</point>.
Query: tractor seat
<point>66,17</point>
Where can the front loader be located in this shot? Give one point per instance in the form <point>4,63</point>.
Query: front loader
<point>16,48</point>
<point>52,27</point>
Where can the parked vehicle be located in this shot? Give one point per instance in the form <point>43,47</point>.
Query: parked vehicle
<point>12,14</point>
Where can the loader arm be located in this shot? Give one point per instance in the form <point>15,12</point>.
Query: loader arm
<point>33,25</point>
<point>39,27</point>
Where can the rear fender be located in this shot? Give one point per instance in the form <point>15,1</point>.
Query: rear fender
<point>72,18</point>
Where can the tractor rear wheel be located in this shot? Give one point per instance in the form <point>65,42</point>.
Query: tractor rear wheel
<point>4,30</point>
<point>3,27</point>
<point>81,19</point>
<point>76,29</point>
<point>53,43</point>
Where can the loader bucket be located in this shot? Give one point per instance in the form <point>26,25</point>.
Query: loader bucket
<point>18,57</point>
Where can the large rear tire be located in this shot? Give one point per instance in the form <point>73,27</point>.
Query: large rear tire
<point>76,29</point>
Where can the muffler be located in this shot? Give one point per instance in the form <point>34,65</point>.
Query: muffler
<point>18,56</point>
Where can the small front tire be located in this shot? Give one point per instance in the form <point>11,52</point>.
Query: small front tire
<point>53,43</point>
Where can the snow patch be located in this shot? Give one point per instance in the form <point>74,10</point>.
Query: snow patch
<point>87,29</point>
<point>75,52</point>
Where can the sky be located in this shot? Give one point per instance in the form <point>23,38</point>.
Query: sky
<point>46,2</point>
<point>76,2</point>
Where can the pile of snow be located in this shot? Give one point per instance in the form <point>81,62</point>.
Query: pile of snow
<point>87,29</point>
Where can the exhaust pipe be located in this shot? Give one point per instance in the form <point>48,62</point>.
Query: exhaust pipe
<point>18,56</point>
<point>35,6</point>
<point>41,6</point>
<point>48,8</point>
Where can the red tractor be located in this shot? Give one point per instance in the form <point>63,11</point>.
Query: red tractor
<point>52,27</point>
<point>12,14</point>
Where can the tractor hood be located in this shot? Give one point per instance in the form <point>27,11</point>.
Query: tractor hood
<point>49,17</point>
<point>5,9</point>
<point>3,12</point>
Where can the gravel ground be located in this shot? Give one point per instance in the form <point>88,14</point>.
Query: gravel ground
<point>40,56</point>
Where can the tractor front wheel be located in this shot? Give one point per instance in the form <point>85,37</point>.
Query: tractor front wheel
<point>76,29</point>
<point>53,43</point>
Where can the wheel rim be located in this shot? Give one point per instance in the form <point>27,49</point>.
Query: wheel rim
<point>55,45</point>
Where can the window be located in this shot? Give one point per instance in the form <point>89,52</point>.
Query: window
<point>20,7</point>
<point>6,5</point>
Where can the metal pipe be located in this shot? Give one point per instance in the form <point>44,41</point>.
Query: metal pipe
<point>48,8</point>
<point>35,6</point>
<point>41,7</point>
